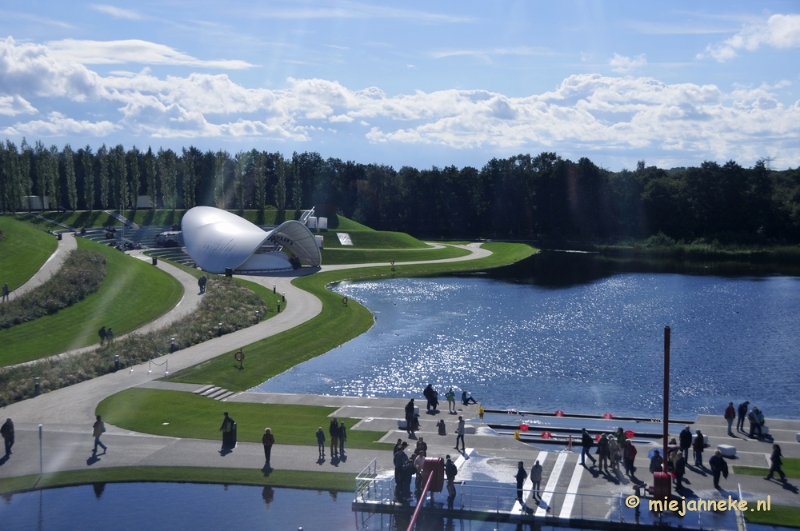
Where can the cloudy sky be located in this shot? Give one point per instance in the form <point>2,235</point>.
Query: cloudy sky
<point>410,83</point>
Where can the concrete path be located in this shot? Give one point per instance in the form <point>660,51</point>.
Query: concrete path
<point>53,264</point>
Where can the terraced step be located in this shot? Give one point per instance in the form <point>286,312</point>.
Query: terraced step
<point>225,396</point>
<point>210,391</point>
<point>203,389</point>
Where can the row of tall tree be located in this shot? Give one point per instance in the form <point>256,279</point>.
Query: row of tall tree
<point>521,196</point>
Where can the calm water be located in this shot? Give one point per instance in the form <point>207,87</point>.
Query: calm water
<point>575,333</point>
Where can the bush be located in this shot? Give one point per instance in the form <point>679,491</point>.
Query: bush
<point>81,275</point>
<point>224,302</point>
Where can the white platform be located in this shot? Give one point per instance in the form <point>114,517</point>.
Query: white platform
<point>727,450</point>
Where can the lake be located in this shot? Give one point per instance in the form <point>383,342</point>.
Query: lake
<point>575,332</point>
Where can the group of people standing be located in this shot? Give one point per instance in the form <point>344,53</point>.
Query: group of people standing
<point>338,434</point>
<point>106,335</point>
<point>536,480</point>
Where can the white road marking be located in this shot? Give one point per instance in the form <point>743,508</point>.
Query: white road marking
<point>552,481</point>
<point>572,491</point>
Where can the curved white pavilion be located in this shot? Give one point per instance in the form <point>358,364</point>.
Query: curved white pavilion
<point>217,239</point>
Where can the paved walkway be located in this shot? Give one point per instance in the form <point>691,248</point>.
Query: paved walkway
<point>53,264</point>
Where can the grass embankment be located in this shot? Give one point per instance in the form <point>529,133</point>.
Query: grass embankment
<point>192,416</point>
<point>23,250</point>
<point>335,325</point>
<point>133,293</point>
<point>368,256</point>
<point>335,481</point>
<point>80,275</point>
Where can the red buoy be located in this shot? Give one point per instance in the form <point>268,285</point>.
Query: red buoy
<point>523,427</point>
<point>608,416</point>
<point>559,413</point>
<point>547,435</point>
<point>630,434</point>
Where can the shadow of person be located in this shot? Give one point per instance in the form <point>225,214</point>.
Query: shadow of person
<point>342,457</point>
<point>321,460</point>
<point>225,451</point>
<point>335,460</point>
<point>266,470</point>
<point>791,488</point>
<point>92,460</point>
<point>4,460</point>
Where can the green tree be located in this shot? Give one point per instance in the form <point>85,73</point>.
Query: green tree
<point>280,186</point>
<point>189,178</point>
<point>135,173</point>
<point>260,182</point>
<point>221,160</point>
<point>168,172</point>
<point>88,177</point>
<point>41,158</point>
<point>69,173</point>
<point>25,158</point>
<point>102,158</point>
<point>150,176</point>
<point>240,162</point>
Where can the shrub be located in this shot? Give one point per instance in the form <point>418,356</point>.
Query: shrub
<point>81,275</point>
<point>224,302</point>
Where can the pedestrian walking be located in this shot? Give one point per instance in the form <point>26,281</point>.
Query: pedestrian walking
<point>399,460</point>
<point>680,471</point>
<point>321,442</point>
<point>428,394</point>
<point>6,292</point>
<point>718,466</point>
<point>603,453</point>
<point>520,477</point>
<point>697,446</point>
<point>267,440</point>
<point>776,462</point>
<point>536,479</point>
<point>333,431</point>
<point>342,437</point>
<point>110,335</point>
<point>685,438</point>
<point>450,471</point>
<point>227,430</point>
<point>586,443</point>
<point>460,433</point>
<point>102,334</point>
<point>98,429</point>
<point>742,413</point>
<point>755,422</point>
<point>410,417</point>
<point>730,415</point>
<point>7,431</point>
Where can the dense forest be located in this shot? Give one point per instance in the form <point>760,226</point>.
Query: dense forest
<point>522,196</point>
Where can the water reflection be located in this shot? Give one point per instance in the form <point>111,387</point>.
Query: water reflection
<point>569,331</point>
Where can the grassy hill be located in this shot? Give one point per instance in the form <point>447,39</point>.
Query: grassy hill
<point>23,250</point>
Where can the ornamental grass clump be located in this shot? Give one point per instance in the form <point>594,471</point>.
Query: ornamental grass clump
<point>224,302</point>
<point>80,275</point>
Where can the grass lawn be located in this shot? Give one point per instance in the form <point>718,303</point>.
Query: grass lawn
<point>334,481</point>
<point>192,416</point>
<point>373,239</point>
<point>23,251</point>
<point>133,293</point>
<point>791,467</point>
<point>367,256</point>
<point>335,325</point>
<point>777,515</point>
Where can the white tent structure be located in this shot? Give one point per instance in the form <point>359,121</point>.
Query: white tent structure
<point>218,240</point>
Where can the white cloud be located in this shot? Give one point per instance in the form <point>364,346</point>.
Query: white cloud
<point>584,113</point>
<point>14,105</point>
<point>622,64</point>
<point>778,31</point>
<point>117,12</point>
<point>356,11</point>
<point>132,51</point>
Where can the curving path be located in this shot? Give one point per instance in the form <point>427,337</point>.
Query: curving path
<point>53,264</point>
<point>71,410</point>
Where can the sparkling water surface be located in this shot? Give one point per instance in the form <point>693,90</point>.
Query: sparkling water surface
<point>589,346</point>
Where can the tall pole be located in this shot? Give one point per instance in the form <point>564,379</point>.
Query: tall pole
<point>41,459</point>
<point>666,395</point>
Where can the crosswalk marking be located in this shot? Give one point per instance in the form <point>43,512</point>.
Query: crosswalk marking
<point>572,491</point>
<point>552,481</point>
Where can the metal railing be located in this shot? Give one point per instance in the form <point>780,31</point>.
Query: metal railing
<point>365,481</point>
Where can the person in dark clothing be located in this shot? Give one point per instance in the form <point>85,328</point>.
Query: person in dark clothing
<point>450,471</point>
<point>227,432</point>
<point>267,440</point>
<point>321,442</point>
<point>342,437</point>
<point>399,460</point>
<point>102,334</point>
<point>410,416</point>
<point>603,453</point>
<point>7,431</point>
<point>628,457</point>
<point>467,400</point>
<point>730,415</point>
<point>775,460</point>
<point>520,477</point>
<point>109,335</point>
<point>742,412</point>
<point>656,462</point>
<point>718,466</point>
<point>428,394</point>
<point>408,474</point>
<point>680,471</point>
<point>201,282</point>
<point>685,438</point>
<point>333,431</point>
<point>586,443</point>
<point>755,422</point>
<point>698,445</point>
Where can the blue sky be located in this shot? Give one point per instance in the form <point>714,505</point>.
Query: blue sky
<point>410,83</point>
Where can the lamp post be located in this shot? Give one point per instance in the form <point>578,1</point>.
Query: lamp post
<point>257,315</point>
<point>219,329</point>
<point>171,345</point>
<point>274,288</point>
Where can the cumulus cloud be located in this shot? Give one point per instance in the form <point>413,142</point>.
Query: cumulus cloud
<point>622,64</point>
<point>778,31</point>
<point>133,51</point>
<point>584,113</point>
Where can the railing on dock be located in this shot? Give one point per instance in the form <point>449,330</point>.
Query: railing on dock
<point>365,481</point>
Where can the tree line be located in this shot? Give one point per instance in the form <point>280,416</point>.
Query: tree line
<point>522,196</point>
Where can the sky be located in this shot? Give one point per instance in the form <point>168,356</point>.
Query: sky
<point>410,83</point>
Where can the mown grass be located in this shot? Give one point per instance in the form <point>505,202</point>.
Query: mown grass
<point>777,515</point>
<point>367,256</point>
<point>372,239</point>
<point>791,467</point>
<point>23,251</point>
<point>335,325</point>
<point>196,417</point>
<point>334,481</point>
<point>133,293</point>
